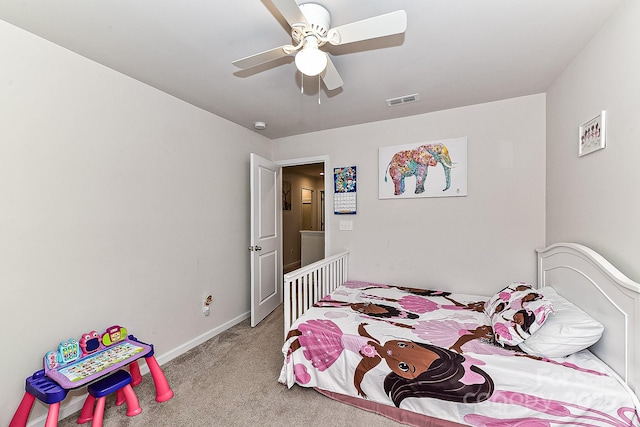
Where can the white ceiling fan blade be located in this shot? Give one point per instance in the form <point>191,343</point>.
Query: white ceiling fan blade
<point>378,26</point>
<point>290,11</point>
<point>330,76</point>
<point>261,58</point>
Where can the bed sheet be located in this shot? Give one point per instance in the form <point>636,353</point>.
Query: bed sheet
<point>431,352</point>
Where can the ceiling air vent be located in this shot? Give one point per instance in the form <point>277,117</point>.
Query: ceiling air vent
<point>403,100</point>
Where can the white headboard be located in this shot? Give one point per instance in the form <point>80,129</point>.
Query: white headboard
<point>592,283</point>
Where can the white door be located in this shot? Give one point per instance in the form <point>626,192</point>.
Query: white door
<point>266,242</point>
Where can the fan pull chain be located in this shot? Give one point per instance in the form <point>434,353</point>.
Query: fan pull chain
<point>319,89</point>
<point>301,83</point>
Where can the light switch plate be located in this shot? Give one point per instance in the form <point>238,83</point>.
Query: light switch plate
<point>346,225</point>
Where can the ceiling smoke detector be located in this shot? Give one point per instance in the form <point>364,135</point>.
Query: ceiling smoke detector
<point>403,100</point>
<point>260,125</point>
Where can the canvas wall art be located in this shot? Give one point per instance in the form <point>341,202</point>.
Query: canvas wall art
<point>426,169</point>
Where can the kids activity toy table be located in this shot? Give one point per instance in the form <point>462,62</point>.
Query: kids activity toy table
<point>76,363</point>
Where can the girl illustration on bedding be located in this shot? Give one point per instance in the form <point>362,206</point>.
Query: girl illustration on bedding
<point>516,312</point>
<point>449,377</point>
<point>461,337</point>
<point>510,297</point>
<point>477,306</point>
<point>418,303</point>
<point>355,284</point>
<point>369,309</point>
<point>434,372</point>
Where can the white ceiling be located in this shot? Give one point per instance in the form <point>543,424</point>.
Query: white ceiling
<point>454,53</point>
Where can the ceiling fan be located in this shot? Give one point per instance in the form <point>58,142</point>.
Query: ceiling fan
<point>311,28</point>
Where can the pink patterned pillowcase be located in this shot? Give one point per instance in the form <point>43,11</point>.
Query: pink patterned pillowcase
<point>516,312</point>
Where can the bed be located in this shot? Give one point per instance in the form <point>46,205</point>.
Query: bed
<point>562,351</point>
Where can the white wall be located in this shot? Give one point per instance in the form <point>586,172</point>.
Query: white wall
<point>475,244</point>
<point>595,199</point>
<point>119,204</point>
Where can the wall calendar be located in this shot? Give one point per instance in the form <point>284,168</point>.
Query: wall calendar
<point>344,186</point>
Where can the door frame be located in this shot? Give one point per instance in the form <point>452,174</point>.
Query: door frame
<point>328,189</point>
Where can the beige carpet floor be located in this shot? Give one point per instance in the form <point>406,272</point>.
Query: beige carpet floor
<point>232,380</point>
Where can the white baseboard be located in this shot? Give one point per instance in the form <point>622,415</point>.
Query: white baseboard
<point>75,404</point>
<point>172,354</point>
<point>292,266</point>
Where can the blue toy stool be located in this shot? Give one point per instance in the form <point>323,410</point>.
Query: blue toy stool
<point>119,382</point>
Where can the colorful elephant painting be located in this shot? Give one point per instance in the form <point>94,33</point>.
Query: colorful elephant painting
<point>416,163</point>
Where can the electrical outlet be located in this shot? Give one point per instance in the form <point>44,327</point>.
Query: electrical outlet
<point>206,303</point>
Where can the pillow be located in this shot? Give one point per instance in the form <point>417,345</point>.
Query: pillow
<point>517,312</point>
<point>568,331</point>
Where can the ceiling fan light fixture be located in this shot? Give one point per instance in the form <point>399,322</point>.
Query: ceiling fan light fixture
<point>311,61</point>
<point>311,29</point>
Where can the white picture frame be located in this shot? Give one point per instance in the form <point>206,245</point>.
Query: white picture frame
<point>592,135</point>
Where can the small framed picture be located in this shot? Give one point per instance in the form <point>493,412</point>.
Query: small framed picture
<point>592,135</point>
<point>286,195</point>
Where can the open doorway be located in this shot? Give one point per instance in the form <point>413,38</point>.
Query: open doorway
<point>303,215</point>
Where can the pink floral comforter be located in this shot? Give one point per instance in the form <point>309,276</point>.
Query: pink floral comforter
<point>432,352</point>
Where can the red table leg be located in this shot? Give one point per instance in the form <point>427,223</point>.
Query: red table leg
<point>52,416</point>
<point>163,391</point>
<point>134,369</point>
<point>45,390</point>
<point>22,413</point>
<point>86,413</point>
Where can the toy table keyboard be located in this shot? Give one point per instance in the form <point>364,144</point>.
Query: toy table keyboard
<point>98,364</point>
